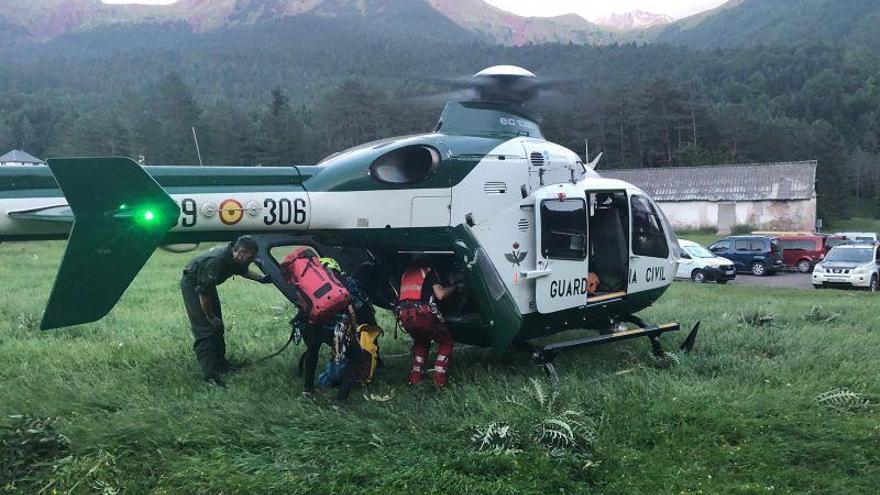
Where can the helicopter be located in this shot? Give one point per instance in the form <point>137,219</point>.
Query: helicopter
<point>541,241</point>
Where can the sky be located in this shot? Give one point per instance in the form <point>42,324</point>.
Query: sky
<point>590,9</point>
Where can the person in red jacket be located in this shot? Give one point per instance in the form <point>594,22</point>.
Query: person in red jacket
<point>420,290</point>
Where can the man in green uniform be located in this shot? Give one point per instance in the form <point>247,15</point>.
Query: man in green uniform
<point>199,287</point>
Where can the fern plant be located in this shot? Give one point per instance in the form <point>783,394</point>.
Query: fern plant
<point>757,318</point>
<point>497,438</point>
<point>559,433</point>
<point>844,400</point>
<point>818,315</point>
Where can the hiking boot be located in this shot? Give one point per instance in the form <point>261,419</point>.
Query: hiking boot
<point>231,367</point>
<point>415,374</point>
<point>440,369</point>
<point>216,381</point>
<point>440,377</point>
<point>414,377</point>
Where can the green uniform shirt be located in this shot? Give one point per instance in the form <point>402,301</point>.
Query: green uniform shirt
<point>211,268</point>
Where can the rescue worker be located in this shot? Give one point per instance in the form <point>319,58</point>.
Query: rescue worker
<point>199,288</point>
<point>313,335</point>
<point>360,312</point>
<point>420,290</point>
<point>339,334</point>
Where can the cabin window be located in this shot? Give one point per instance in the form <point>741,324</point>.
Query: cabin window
<point>564,229</point>
<point>648,238</point>
<point>406,165</point>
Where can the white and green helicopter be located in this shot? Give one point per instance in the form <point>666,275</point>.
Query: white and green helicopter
<point>543,242</point>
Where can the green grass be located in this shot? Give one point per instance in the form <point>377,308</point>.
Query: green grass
<point>856,224</point>
<point>738,416</point>
<point>703,238</point>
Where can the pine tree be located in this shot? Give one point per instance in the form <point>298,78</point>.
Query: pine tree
<point>176,112</point>
<point>280,132</point>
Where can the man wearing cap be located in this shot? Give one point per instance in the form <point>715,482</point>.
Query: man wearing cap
<point>199,288</point>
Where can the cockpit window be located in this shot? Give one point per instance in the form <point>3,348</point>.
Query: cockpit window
<point>648,238</point>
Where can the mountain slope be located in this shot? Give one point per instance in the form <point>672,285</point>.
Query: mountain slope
<point>740,23</point>
<point>432,17</point>
<point>510,29</point>
<point>636,19</point>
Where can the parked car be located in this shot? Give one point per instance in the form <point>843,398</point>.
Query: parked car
<point>758,255</point>
<point>701,265</point>
<point>802,252</point>
<point>858,236</point>
<point>850,266</point>
<point>832,241</point>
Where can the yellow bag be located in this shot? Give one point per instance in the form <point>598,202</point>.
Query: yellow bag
<point>369,340</point>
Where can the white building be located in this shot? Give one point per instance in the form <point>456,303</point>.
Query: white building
<point>768,196</point>
<point>19,158</point>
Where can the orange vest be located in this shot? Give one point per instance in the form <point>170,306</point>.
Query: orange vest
<point>412,282</point>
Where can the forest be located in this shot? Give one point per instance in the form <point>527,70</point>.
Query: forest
<point>291,91</point>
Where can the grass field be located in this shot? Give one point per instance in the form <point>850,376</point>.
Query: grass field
<point>743,414</point>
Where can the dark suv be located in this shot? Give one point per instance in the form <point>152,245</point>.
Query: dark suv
<point>753,254</point>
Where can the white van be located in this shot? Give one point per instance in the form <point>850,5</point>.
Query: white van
<point>858,236</point>
<point>701,265</point>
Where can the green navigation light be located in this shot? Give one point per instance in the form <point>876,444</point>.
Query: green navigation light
<point>149,216</point>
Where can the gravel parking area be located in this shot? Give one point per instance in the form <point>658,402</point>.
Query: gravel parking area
<point>784,280</point>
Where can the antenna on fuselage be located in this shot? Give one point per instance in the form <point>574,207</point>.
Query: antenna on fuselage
<point>593,164</point>
<point>198,151</point>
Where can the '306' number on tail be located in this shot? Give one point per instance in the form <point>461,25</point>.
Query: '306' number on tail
<point>284,211</point>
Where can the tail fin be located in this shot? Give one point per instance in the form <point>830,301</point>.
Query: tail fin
<point>120,216</point>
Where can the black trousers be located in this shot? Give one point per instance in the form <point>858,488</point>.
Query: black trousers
<point>209,344</point>
<point>313,337</point>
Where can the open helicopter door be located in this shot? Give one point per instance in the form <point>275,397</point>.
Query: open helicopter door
<point>652,263</point>
<point>561,257</point>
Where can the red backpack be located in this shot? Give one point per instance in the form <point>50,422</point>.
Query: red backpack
<point>321,294</point>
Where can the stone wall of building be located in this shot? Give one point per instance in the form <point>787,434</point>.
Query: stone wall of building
<point>795,215</point>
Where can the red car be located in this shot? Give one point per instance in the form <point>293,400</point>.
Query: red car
<point>803,251</point>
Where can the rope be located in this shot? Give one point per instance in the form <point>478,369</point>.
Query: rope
<point>279,351</point>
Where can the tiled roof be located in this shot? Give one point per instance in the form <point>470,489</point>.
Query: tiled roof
<point>752,182</point>
<point>19,156</point>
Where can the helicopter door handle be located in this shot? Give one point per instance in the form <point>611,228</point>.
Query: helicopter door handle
<point>533,274</point>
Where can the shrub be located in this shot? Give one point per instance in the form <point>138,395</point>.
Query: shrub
<point>705,230</point>
<point>27,446</point>
<point>742,229</point>
<point>819,315</point>
<point>757,318</point>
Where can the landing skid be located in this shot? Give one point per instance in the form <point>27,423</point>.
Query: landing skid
<point>544,355</point>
